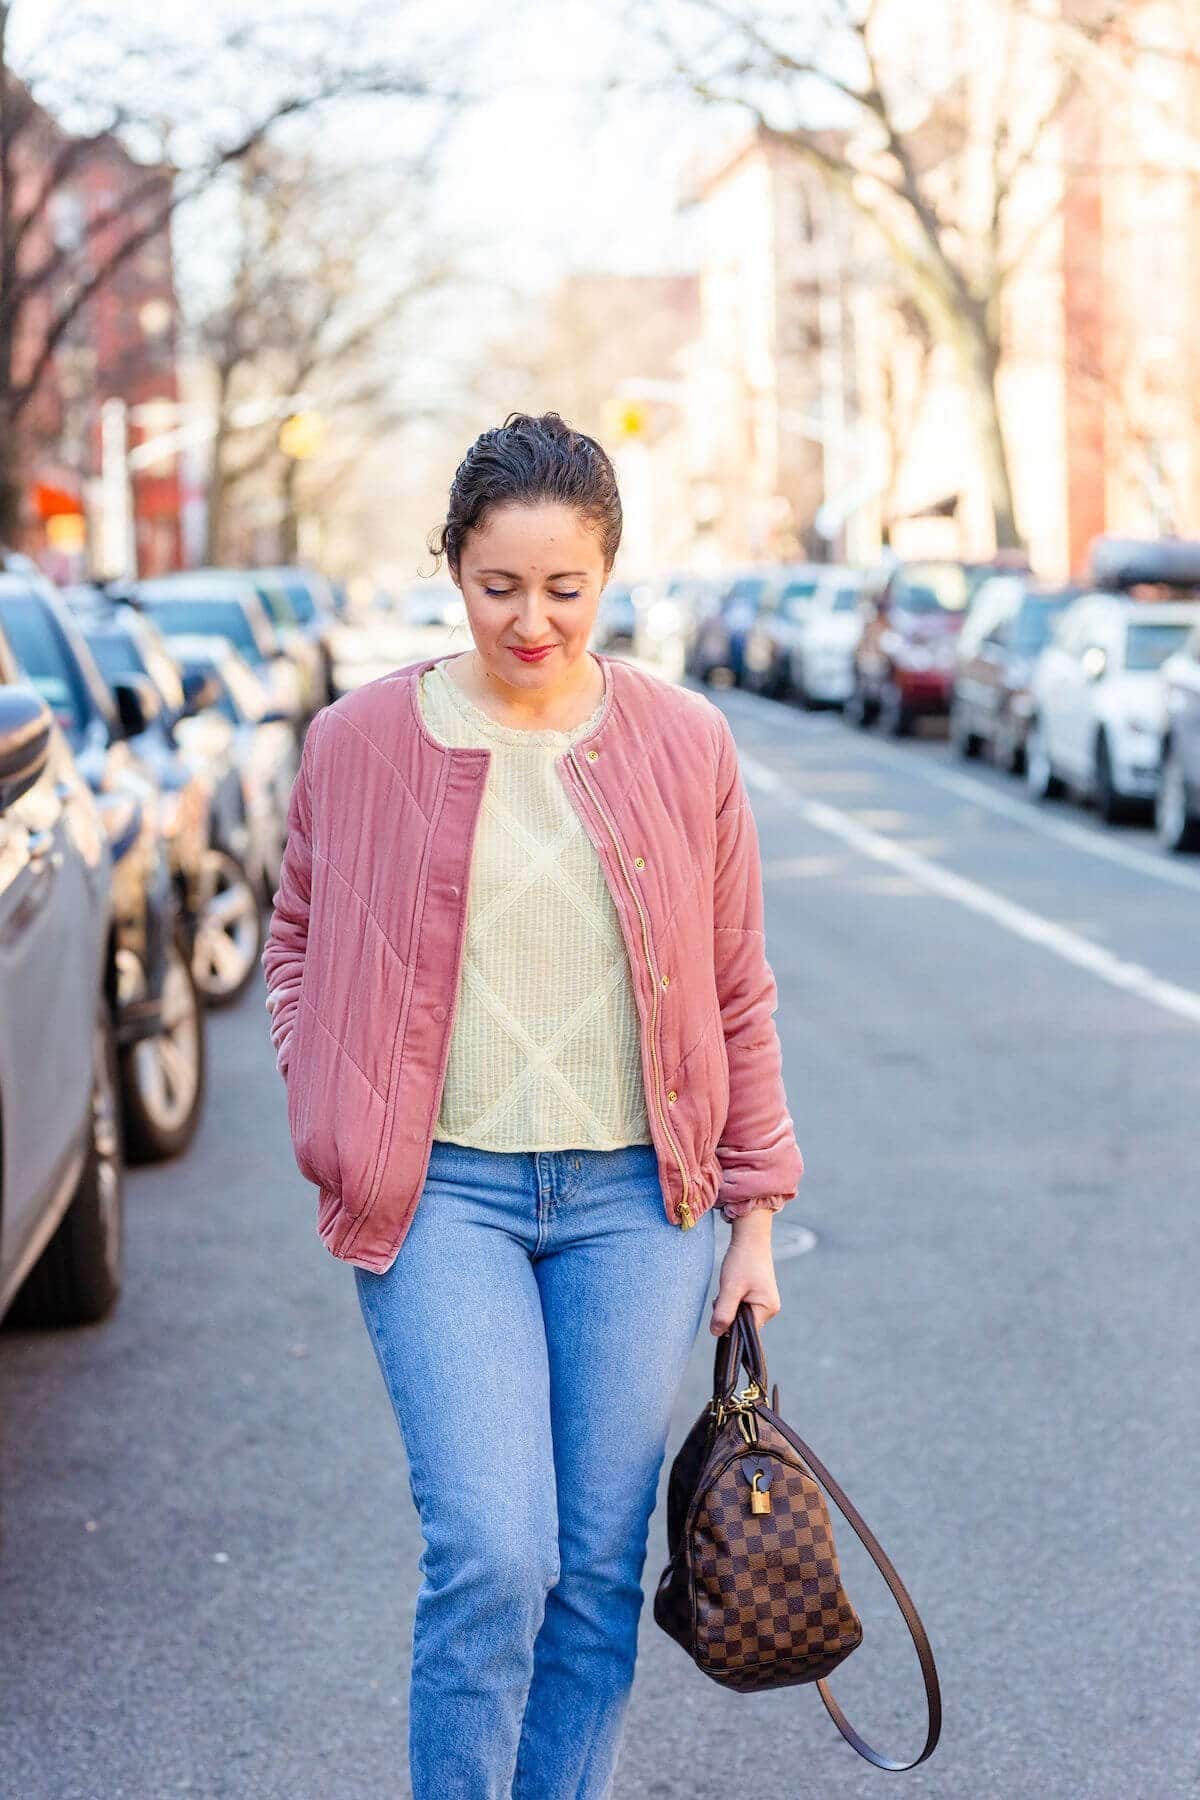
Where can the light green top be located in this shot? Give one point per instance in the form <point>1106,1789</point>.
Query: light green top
<point>545,1052</point>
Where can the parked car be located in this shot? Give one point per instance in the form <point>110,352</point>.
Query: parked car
<point>822,659</point>
<point>904,660</point>
<point>304,650</point>
<point>1098,716</point>
<point>429,602</point>
<point>157,1010</point>
<point>616,617</point>
<point>1177,795</point>
<point>668,614</point>
<point>61,1149</point>
<point>1006,628</point>
<point>775,630</point>
<point>313,603</point>
<point>230,716</point>
<point>720,639</point>
<point>205,814</point>
<point>226,606</point>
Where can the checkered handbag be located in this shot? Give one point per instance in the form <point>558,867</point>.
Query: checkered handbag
<point>752,1588</point>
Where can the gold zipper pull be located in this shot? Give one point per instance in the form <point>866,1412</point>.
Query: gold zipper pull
<point>686,1220</point>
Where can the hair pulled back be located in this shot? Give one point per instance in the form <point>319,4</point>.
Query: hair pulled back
<point>532,460</point>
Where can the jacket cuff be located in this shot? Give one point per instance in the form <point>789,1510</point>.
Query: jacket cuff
<point>737,1209</point>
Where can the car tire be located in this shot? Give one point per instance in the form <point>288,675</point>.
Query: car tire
<point>228,936</point>
<point>894,717</point>
<point>1111,804</point>
<point>163,1078</point>
<point>1176,829</point>
<point>1041,783</point>
<point>966,742</point>
<point>77,1278</point>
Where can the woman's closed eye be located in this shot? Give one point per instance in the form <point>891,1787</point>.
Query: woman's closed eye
<point>505,593</point>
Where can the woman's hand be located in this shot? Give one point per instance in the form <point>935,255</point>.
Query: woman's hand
<point>747,1273</point>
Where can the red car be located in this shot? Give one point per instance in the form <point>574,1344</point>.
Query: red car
<point>905,660</point>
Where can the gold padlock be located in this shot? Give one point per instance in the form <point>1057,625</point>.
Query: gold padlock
<point>760,1498</point>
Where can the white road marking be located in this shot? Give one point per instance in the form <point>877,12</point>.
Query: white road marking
<point>1159,866</point>
<point>1070,946</point>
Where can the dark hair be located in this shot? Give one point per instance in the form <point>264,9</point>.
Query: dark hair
<point>526,461</point>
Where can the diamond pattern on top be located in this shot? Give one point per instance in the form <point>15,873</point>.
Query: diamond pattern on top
<point>546,1050</point>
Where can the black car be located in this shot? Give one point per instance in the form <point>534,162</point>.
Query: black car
<point>159,1029</point>
<point>1009,622</point>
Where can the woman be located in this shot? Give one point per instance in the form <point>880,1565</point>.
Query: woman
<point>521,1003</point>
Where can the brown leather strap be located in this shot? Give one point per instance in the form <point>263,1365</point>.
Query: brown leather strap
<point>753,1357</point>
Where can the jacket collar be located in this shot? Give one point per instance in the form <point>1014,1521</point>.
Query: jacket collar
<point>615,675</point>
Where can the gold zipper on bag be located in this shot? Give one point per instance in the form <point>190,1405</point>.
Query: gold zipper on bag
<point>685,1220</point>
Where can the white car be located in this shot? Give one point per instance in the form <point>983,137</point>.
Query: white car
<point>822,671</point>
<point>1098,699</point>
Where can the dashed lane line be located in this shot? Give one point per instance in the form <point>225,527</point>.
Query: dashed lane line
<point>1034,928</point>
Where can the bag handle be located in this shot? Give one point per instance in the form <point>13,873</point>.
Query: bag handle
<point>750,1352</point>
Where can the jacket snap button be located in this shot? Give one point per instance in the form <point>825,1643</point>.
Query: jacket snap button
<point>454,893</point>
<point>592,755</point>
<point>439,1012</point>
<point>672,1096</point>
<point>639,862</point>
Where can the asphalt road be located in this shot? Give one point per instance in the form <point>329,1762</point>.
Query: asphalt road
<point>991,1025</point>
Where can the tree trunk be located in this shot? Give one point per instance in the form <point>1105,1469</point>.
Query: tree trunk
<point>289,525</point>
<point>979,359</point>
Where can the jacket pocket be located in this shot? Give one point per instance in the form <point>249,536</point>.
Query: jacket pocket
<point>335,1114</point>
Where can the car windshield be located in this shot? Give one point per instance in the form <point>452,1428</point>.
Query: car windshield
<point>932,587</point>
<point>795,597</point>
<point>845,599</point>
<point>1034,622</point>
<point>211,618</point>
<point>302,601</point>
<point>46,660</point>
<point>116,653</point>
<point>748,590</point>
<point>1148,645</point>
<point>277,601</point>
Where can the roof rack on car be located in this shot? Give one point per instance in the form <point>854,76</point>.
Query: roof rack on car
<point>1121,565</point>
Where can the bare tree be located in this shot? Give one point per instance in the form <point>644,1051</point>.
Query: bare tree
<point>51,120</point>
<point>957,235</point>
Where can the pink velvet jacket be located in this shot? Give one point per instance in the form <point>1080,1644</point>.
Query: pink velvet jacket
<point>363,953</point>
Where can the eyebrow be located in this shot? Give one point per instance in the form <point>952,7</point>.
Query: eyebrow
<point>562,575</point>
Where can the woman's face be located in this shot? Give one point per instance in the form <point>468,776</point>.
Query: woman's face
<point>531,576</point>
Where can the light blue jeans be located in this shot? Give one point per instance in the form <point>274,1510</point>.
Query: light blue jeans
<point>532,1332</point>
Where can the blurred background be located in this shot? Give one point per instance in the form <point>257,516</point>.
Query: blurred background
<point>886,315</point>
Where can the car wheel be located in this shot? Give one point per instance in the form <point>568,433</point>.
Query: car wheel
<point>162,1077</point>
<point>1175,827</point>
<point>229,929</point>
<point>77,1278</point>
<point>894,717</point>
<point>967,742</point>
<point>1040,780</point>
<point>1110,802</point>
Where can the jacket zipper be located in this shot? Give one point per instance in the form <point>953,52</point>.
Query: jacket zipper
<point>685,1219</point>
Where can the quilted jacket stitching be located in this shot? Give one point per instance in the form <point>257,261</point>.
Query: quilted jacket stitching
<point>386,759</point>
<point>404,1012</point>
<point>367,908</point>
<point>342,1050</point>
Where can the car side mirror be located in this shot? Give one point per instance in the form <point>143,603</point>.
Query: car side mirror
<point>138,703</point>
<point>200,689</point>
<point>25,722</point>
<point>1094,661</point>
